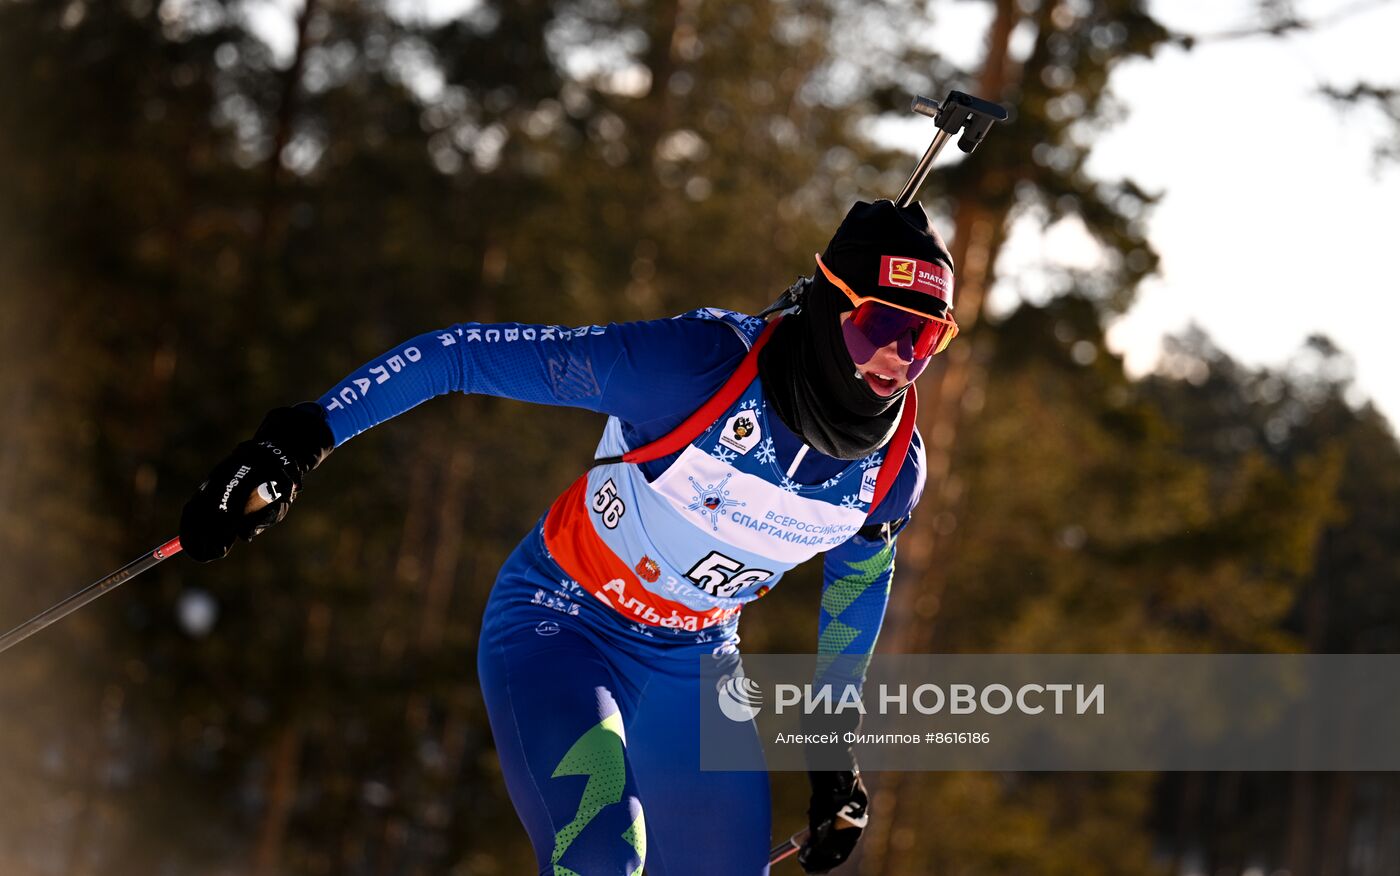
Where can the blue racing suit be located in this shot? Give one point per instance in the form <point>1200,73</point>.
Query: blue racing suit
<point>589,652</point>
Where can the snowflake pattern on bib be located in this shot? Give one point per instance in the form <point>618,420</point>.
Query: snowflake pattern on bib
<point>687,546</point>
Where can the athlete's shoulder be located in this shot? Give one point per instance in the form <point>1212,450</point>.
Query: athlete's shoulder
<point>746,327</point>
<point>695,341</point>
<point>664,367</point>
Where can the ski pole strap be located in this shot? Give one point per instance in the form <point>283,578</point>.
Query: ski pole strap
<point>706,414</point>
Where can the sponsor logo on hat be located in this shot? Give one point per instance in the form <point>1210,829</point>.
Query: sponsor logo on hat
<point>901,272</point>
<point>931,278</point>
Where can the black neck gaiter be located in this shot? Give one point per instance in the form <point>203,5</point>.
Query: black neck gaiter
<point>812,383</point>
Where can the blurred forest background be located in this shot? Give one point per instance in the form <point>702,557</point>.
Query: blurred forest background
<point>194,229</point>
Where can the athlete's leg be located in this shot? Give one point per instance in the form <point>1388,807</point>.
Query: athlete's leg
<point>698,823</point>
<point>556,715</point>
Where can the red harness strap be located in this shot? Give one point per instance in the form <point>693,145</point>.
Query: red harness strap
<point>899,448</point>
<point>705,416</point>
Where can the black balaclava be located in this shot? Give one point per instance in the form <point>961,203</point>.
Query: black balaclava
<point>807,373</point>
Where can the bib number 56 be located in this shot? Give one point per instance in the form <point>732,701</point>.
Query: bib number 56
<point>607,504</point>
<point>723,576</point>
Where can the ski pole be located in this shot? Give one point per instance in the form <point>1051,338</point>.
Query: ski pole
<point>89,593</point>
<point>256,502</point>
<point>793,844</point>
<point>787,848</point>
<point>973,116</point>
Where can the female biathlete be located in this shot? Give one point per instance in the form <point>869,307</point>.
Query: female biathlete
<point>589,651</point>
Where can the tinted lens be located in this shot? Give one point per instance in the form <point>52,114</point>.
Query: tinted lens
<point>919,337</point>
<point>935,339</point>
<point>881,324</point>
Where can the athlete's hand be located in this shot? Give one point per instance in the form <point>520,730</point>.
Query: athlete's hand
<point>835,818</point>
<point>289,443</point>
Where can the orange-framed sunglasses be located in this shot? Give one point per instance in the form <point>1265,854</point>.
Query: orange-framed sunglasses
<point>882,320</point>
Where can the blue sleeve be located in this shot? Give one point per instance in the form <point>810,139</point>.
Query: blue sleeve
<point>855,591</point>
<point>637,371</point>
<point>856,579</point>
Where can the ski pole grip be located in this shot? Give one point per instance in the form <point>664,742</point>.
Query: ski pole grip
<point>259,499</point>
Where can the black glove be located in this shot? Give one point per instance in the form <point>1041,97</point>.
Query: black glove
<point>833,838</point>
<point>289,443</point>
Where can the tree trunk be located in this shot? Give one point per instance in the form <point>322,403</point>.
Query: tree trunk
<point>661,63</point>
<point>1302,816</point>
<point>408,566</point>
<point>284,760</point>
<point>443,571</point>
<point>269,214</point>
<point>1385,839</point>
<point>1189,819</point>
<point>977,235</point>
<point>1336,837</point>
